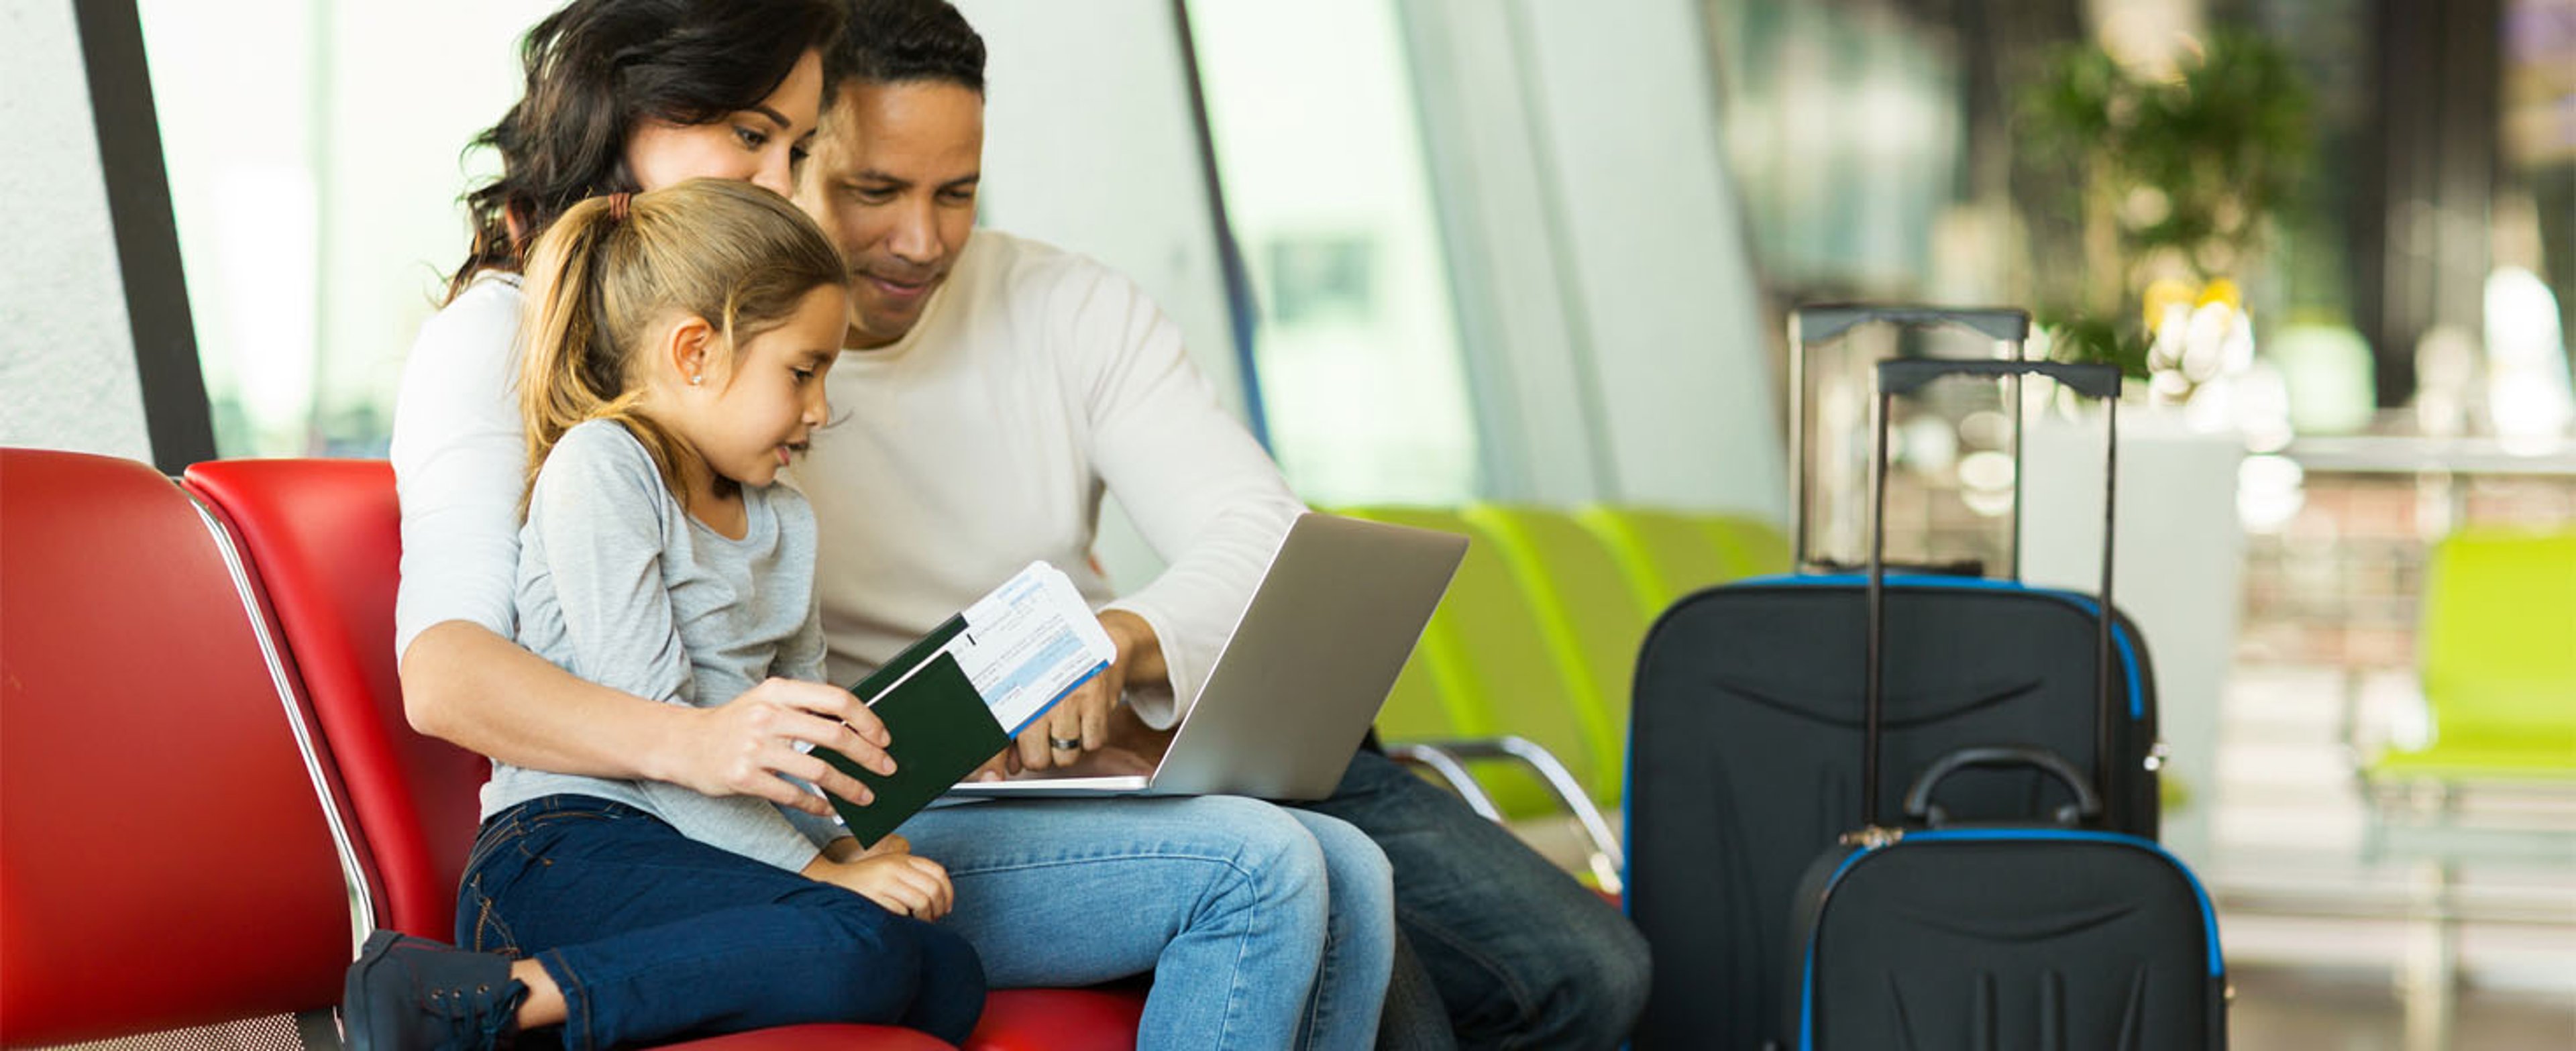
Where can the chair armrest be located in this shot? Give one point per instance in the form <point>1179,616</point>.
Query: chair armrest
<point>1448,758</point>
<point>1440,759</point>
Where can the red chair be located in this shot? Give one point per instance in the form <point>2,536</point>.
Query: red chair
<point>326,540</point>
<point>323,537</point>
<point>165,859</point>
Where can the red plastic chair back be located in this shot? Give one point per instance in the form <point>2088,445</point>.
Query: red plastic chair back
<point>165,859</point>
<point>325,538</point>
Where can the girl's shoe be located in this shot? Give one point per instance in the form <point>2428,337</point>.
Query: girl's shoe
<point>405,993</point>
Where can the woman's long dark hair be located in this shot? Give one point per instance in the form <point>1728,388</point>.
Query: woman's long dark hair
<point>597,67</point>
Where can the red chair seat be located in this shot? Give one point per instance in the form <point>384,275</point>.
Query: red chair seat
<point>1059,1020</point>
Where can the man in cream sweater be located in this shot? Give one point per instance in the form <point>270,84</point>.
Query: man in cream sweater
<point>991,388</point>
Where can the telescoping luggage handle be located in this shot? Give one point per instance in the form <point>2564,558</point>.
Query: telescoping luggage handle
<point>1818,323</point>
<point>1897,378</point>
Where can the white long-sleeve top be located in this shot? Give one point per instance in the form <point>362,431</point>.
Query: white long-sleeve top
<point>460,455</point>
<point>1036,380</point>
<point>984,439</point>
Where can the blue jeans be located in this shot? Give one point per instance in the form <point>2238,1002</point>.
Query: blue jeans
<point>654,936</point>
<point>1264,927</point>
<point>1510,948</point>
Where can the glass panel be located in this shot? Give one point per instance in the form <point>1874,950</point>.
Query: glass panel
<point>315,155</point>
<point>1328,193</point>
<point>1843,123</point>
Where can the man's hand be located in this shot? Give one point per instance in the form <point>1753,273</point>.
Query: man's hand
<point>740,747</point>
<point>1080,722</point>
<point>889,874</point>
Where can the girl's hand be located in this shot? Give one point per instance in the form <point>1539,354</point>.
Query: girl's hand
<point>891,875</point>
<point>740,747</point>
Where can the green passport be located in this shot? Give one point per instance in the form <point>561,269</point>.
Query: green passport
<point>941,731</point>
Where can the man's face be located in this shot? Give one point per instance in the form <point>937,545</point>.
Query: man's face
<point>892,180</point>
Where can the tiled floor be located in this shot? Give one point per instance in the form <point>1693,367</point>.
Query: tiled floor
<point>2328,942</point>
<point>2324,1009</point>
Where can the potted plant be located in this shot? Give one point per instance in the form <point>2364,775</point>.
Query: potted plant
<point>2175,179</point>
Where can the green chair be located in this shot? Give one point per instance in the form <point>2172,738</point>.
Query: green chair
<point>1589,615</point>
<point>1757,548</point>
<point>1507,709</point>
<point>2498,654</point>
<point>2496,658</point>
<point>1664,555</point>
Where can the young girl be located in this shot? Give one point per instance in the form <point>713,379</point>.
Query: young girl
<point>678,341</point>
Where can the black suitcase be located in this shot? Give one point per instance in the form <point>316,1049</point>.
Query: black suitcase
<point>1747,730</point>
<point>2021,936</point>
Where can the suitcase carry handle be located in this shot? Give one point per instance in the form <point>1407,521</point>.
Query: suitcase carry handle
<point>2092,380</point>
<point>1816,324</point>
<point>1918,799</point>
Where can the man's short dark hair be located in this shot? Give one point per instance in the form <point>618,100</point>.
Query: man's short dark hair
<point>905,41</point>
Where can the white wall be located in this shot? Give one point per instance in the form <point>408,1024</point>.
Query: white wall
<point>1535,397</point>
<point>1608,288</point>
<point>67,378</point>
<point>1662,266</point>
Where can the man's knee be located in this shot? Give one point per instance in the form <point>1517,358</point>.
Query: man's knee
<point>1602,971</point>
<point>1625,969</point>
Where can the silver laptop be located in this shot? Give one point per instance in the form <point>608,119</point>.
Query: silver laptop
<point>1298,684</point>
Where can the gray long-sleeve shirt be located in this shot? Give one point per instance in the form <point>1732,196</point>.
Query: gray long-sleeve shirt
<point>618,585</point>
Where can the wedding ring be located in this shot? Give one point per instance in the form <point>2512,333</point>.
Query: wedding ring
<point>1065,744</point>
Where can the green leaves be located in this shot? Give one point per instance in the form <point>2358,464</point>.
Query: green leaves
<point>2110,340</point>
<point>2176,175</point>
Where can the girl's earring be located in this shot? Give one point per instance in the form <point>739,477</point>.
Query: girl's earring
<point>697,378</point>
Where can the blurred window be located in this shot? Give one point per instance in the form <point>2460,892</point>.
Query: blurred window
<point>1844,124</point>
<point>315,154</point>
<point>1319,149</point>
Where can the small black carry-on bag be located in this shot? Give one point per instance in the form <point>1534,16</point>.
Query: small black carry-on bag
<point>1748,723</point>
<point>2037,934</point>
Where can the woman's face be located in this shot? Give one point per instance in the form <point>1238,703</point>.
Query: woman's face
<point>760,145</point>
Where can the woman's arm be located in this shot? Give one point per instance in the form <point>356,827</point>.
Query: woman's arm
<point>478,690</point>
<point>465,685</point>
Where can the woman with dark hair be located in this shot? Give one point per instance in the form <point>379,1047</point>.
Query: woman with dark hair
<point>634,95</point>
<point>610,909</point>
<point>1229,895</point>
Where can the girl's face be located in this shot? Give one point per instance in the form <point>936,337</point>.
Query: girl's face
<point>749,418</point>
<point>761,145</point>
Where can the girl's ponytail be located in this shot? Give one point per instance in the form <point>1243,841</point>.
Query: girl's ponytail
<point>573,369</point>
<point>736,255</point>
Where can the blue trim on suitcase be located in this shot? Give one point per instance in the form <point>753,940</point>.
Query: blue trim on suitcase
<point>2091,608</point>
<point>1627,828</point>
<point>2208,915</point>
